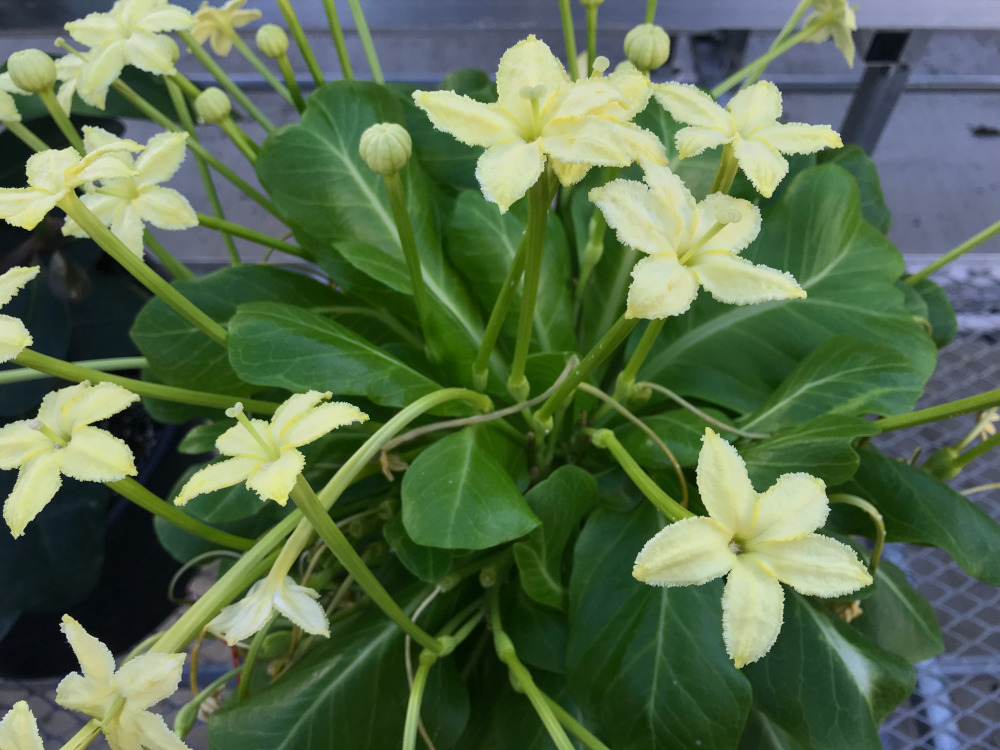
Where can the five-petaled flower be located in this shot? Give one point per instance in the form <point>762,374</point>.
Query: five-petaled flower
<point>120,699</point>
<point>760,540</point>
<point>14,337</point>
<point>688,244</point>
<point>748,125</point>
<point>840,22</point>
<point>264,454</point>
<point>19,730</point>
<point>53,175</point>
<point>62,440</point>
<point>131,33</point>
<point>216,25</point>
<point>541,113</point>
<point>124,203</point>
<point>277,591</point>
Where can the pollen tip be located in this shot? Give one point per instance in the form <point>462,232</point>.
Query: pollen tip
<point>35,424</point>
<point>601,64</point>
<point>235,410</point>
<point>729,216</point>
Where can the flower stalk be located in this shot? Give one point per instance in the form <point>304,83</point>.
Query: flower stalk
<point>397,201</point>
<point>176,269</point>
<point>251,57</point>
<point>970,244</point>
<point>61,119</point>
<point>569,38</point>
<point>366,40</point>
<point>299,35</point>
<point>866,507</point>
<point>480,368</point>
<point>337,32</point>
<point>942,411</point>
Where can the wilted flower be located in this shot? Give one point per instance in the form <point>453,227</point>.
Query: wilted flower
<point>216,25</point>
<point>239,621</point>
<point>840,22</point>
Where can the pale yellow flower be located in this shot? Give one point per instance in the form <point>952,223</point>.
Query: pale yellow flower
<point>131,33</point>
<point>14,337</point>
<point>264,454</point>
<point>62,440</point>
<point>239,621</point>
<point>987,420</point>
<point>840,22</point>
<point>18,729</point>
<point>688,244</point>
<point>216,24</point>
<point>121,697</point>
<point>124,203</point>
<point>55,174</point>
<point>758,540</point>
<point>748,124</point>
<point>69,69</point>
<point>541,114</point>
<point>8,107</point>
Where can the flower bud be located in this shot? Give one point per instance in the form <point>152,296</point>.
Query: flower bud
<point>272,40</point>
<point>647,46</point>
<point>32,70</point>
<point>212,105</point>
<point>943,464</point>
<point>385,147</point>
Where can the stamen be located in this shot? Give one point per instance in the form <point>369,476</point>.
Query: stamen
<point>601,64</point>
<point>236,412</point>
<point>735,548</point>
<point>725,218</point>
<point>37,424</point>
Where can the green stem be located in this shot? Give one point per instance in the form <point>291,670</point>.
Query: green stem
<point>285,66</point>
<point>538,211</point>
<point>664,503</point>
<point>427,659</point>
<point>32,141</point>
<point>225,81</point>
<point>576,728</point>
<point>650,11</point>
<point>592,254</point>
<point>187,716</point>
<point>114,247</point>
<point>300,39</point>
<point>25,374</point>
<point>726,172</point>
<point>790,24</point>
<point>873,513</point>
<point>522,677</point>
<point>78,372</point>
<point>591,37</point>
<point>480,368</point>
<point>700,414</point>
<point>192,143</point>
<point>758,66</point>
<point>61,119</point>
<point>251,57</point>
<point>311,507</point>
<point>243,691</point>
<point>602,349</point>
<point>948,257</point>
<point>240,139</point>
<point>974,453</point>
<point>132,490</point>
<point>569,37</point>
<point>184,115</point>
<point>366,40</point>
<point>246,233</point>
<point>87,734</point>
<point>177,269</point>
<point>397,200</point>
<point>968,405</point>
<point>337,32</point>
<point>626,378</point>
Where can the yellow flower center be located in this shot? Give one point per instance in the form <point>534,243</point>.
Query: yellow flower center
<point>534,95</point>
<point>269,450</point>
<point>49,433</point>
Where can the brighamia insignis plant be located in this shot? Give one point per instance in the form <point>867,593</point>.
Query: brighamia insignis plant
<point>522,450</point>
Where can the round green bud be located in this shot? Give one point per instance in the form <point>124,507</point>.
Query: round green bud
<point>212,105</point>
<point>385,147</point>
<point>272,40</point>
<point>943,464</point>
<point>32,70</point>
<point>647,46</point>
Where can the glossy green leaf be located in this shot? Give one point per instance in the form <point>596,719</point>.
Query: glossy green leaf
<point>680,429</point>
<point>560,501</point>
<point>648,663</point>
<point>736,356</point>
<point>540,634</point>
<point>863,170</point>
<point>458,494</point>
<point>940,313</point>
<point>429,564</point>
<point>841,376</point>
<point>920,509</point>
<point>288,347</point>
<point>821,447</point>
<point>822,686</point>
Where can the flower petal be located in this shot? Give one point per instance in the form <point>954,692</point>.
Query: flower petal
<point>166,18</point>
<point>737,281</point>
<point>506,171</point>
<point>127,226</point>
<point>14,280</point>
<point>591,96</point>
<point>239,621</point>
<point>151,729</point>
<point>597,141</point>
<point>37,483</point>
<point>755,106</point>
<point>20,443</point>
<point>149,678</point>
<point>689,104</point>
<point>676,204</point>
<point>298,604</point>
<point>275,480</point>
<point>95,455</point>
<point>568,174</point>
<point>165,208</point>
<point>469,121</point>
<point>150,52</point>
<point>162,157</point>
<point>94,29</point>
<point>216,477</point>
<point>691,141</point>
<point>105,65</point>
<point>237,441</point>
<point>661,287</point>
<point>752,608</point>
<point>724,484</point>
<point>96,659</point>
<point>26,207</point>
<point>528,64</point>
<point>736,235</point>
<point>798,138</point>
<point>794,505</point>
<point>8,108</point>
<point>761,163</point>
<point>686,553</point>
<point>95,138</point>
<point>318,421</point>
<point>814,565</point>
<point>84,404</point>
<point>19,730</point>
<point>631,209</point>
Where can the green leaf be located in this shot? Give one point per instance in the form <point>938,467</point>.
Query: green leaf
<point>288,347</point>
<point>821,447</point>
<point>920,509</point>
<point>429,564</point>
<point>201,438</point>
<point>822,686</point>
<point>862,169</point>
<point>182,355</point>
<point>482,242</point>
<point>681,430</point>
<point>457,494</point>
<point>735,356</point>
<point>898,618</point>
<point>560,501</point>
<point>648,663</point>
<point>841,376</point>
<point>940,313</point>
<point>540,634</point>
